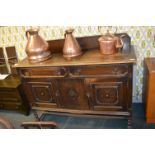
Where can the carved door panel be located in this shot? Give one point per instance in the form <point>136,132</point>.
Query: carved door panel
<point>71,94</point>
<point>107,94</point>
<point>41,94</point>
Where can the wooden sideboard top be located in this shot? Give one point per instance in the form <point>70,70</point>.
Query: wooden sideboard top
<point>150,62</point>
<point>91,57</point>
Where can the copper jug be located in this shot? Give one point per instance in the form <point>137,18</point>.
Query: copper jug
<point>71,47</point>
<point>110,44</point>
<point>37,47</point>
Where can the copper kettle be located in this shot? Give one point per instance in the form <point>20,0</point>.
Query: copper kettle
<point>37,47</point>
<point>110,44</point>
<point>71,47</point>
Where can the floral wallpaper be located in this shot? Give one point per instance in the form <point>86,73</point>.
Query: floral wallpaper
<point>142,38</point>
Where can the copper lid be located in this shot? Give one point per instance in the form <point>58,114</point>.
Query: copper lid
<point>107,37</point>
<point>70,30</point>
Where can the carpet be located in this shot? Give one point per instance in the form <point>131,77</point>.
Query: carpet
<point>78,122</point>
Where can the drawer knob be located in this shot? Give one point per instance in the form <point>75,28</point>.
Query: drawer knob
<point>57,93</point>
<point>77,72</point>
<point>115,70</point>
<point>73,95</point>
<point>17,107</point>
<point>107,95</point>
<point>61,72</point>
<point>26,73</point>
<point>42,93</point>
<point>58,72</point>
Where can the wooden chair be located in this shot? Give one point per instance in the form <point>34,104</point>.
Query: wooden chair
<point>6,84</point>
<point>39,125</point>
<point>3,66</point>
<point>5,123</point>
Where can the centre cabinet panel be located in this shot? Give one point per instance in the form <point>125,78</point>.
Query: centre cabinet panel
<point>41,94</point>
<point>107,94</point>
<point>71,94</point>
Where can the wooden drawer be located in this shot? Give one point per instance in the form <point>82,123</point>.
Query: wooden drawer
<point>44,72</point>
<point>9,105</point>
<point>100,71</point>
<point>9,94</point>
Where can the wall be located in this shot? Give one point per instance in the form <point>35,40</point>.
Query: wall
<point>142,38</point>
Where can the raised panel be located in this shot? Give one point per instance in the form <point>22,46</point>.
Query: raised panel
<point>71,94</point>
<point>42,94</point>
<point>107,95</point>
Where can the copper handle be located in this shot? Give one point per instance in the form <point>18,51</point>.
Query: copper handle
<point>123,35</point>
<point>119,44</point>
<point>65,35</point>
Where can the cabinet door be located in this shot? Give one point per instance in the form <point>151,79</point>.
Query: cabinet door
<point>71,94</point>
<point>107,94</point>
<point>40,94</point>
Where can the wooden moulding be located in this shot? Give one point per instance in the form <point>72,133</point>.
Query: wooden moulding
<point>86,43</point>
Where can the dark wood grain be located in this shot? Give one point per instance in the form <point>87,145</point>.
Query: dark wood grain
<point>10,95</point>
<point>91,84</point>
<point>149,65</point>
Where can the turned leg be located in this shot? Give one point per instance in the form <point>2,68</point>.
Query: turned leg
<point>36,115</point>
<point>129,123</point>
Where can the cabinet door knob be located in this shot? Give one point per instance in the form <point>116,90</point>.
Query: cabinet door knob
<point>107,95</point>
<point>57,93</point>
<point>88,95</point>
<point>42,93</point>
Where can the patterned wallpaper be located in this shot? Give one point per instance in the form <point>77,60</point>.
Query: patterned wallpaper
<point>142,38</point>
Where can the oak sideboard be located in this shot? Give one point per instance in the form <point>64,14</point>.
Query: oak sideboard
<point>92,84</point>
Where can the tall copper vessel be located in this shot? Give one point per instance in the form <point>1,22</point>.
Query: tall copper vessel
<point>71,47</point>
<point>37,47</point>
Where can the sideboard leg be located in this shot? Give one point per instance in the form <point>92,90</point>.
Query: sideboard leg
<point>36,115</point>
<point>129,123</point>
